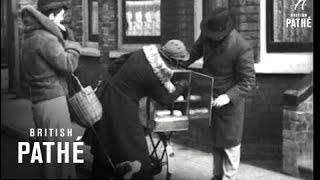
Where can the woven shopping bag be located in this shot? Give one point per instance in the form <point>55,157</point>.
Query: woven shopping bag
<point>85,106</point>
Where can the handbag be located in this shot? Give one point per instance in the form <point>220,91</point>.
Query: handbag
<point>85,106</point>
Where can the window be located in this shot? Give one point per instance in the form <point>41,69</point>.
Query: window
<point>141,21</point>
<point>289,26</point>
<point>93,20</point>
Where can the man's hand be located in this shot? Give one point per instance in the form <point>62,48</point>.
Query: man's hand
<point>220,101</point>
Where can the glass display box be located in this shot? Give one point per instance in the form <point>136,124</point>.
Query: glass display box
<point>193,104</point>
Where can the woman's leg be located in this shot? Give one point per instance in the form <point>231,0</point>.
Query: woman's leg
<point>54,114</point>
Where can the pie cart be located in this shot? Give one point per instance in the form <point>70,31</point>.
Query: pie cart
<point>165,121</point>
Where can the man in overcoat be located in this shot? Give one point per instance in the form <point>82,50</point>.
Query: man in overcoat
<point>229,59</point>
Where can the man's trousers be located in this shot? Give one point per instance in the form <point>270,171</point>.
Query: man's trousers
<point>226,162</point>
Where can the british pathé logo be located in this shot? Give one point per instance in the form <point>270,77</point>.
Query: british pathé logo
<point>300,17</point>
<point>302,2</point>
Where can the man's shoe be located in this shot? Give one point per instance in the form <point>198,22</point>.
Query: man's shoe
<point>217,177</point>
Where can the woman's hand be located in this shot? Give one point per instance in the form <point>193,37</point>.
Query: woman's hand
<point>70,35</point>
<point>183,83</point>
<point>62,27</point>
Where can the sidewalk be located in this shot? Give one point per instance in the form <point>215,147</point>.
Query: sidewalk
<point>16,119</point>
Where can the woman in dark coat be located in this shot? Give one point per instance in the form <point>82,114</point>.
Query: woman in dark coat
<point>229,59</point>
<point>145,72</point>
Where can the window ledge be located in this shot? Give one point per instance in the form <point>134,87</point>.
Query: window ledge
<point>89,51</point>
<point>299,92</point>
<point>117,53</point>
<point>285,63</point>
<point>277,65</point>
<point>127,48</point>
<point>133,47</point>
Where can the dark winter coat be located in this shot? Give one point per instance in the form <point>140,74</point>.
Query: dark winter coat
<point>120,129</point>
<point>46,57</point>
<point>231,63</point>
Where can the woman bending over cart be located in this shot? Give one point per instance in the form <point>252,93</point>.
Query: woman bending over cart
<point>146,72</point>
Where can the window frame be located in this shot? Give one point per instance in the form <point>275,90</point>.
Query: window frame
<point>282,46</point>
<point>135,39</point>
<point>91,37</point>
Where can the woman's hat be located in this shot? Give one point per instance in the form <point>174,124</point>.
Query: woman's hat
<point>217,24</point>
<point>175,49</point>
<point>45,5</point>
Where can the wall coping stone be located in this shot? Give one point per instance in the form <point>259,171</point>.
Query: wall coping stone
<point>89,51</point>
<point>117,53</point>
<point>299,92</point>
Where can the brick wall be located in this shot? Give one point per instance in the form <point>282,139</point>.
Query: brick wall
<point>108,20</point>
<point>90,68</point>
<point>246,14</point>
<point>76,19</point>
<point>247,18</point>
<point>263,115</point>
<point>177,21</point>
<point>262,136</point>
<point>297,133</point>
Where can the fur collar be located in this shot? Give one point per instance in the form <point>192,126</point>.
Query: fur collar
<point>34,18</point>
<point>159,67</point>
